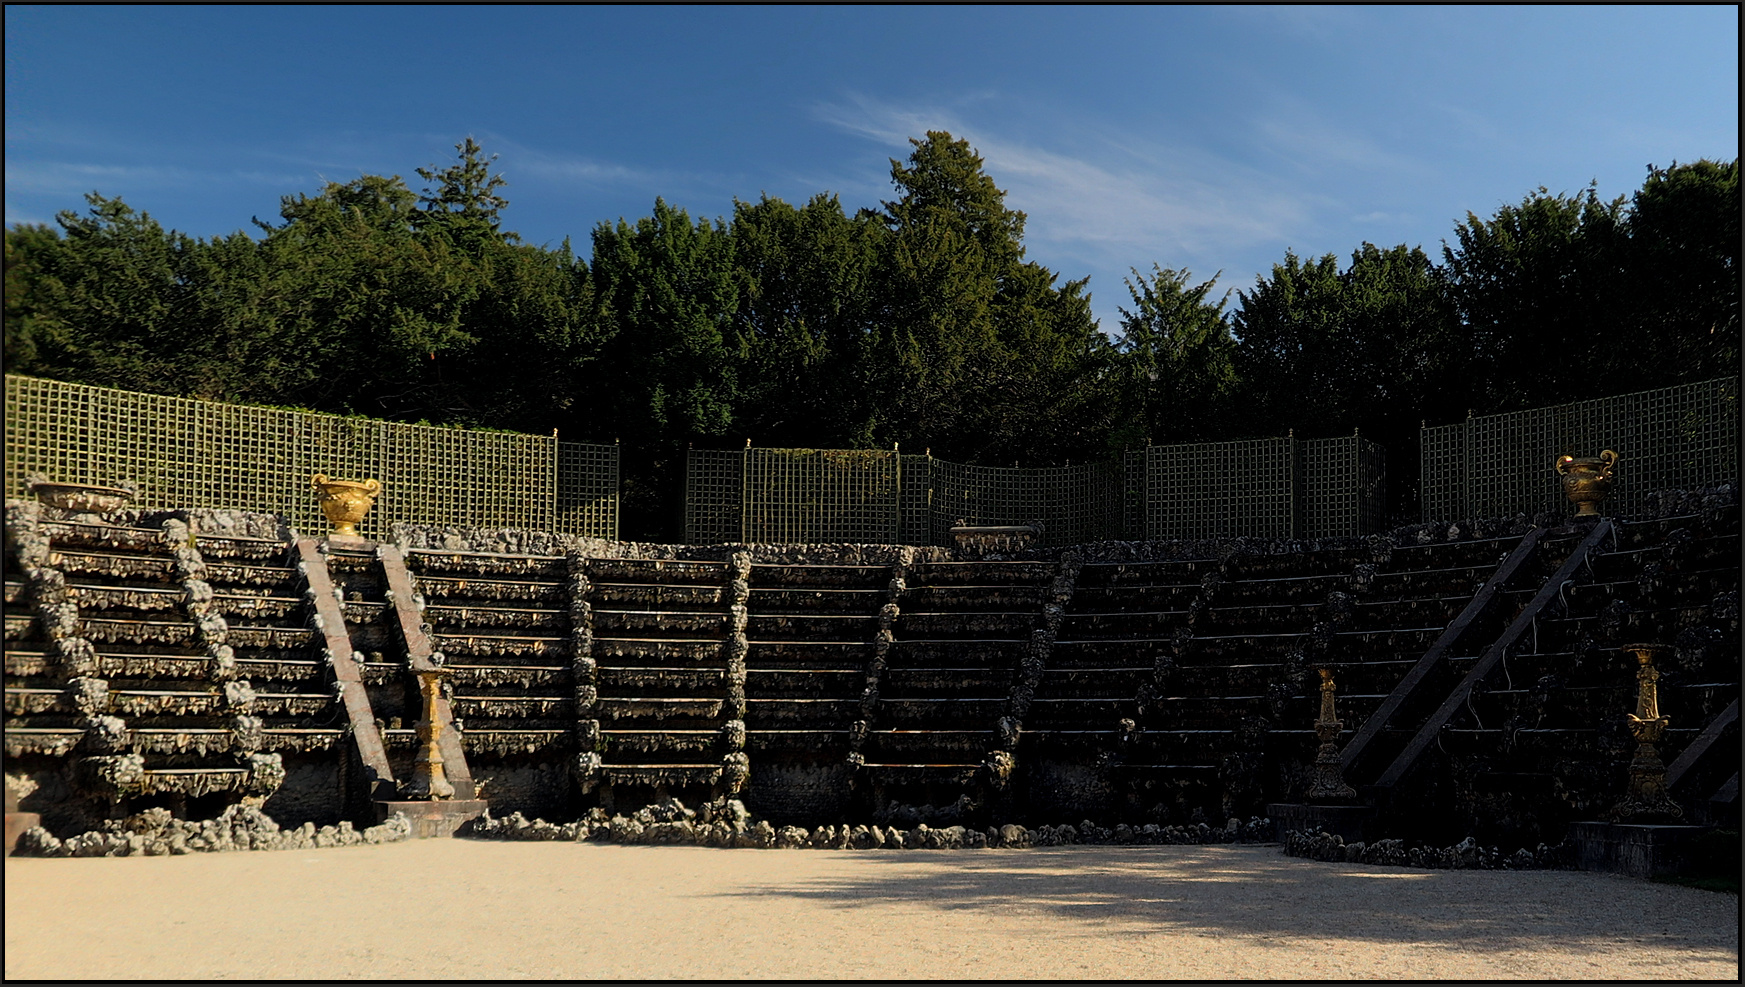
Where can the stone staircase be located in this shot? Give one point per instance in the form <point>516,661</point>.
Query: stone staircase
<point>1175,684</point>
<point>175,663</point>
<point>670,658</point>
<point>812,636</point>
<point>1155,691</point>
<point>934,705</point>
<point>503,626</point>
<point>1538,740</point>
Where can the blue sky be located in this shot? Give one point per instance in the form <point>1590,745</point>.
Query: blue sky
<point>1206,138</point>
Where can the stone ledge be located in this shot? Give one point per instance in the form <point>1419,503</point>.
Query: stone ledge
<point>1344,821</point>
<point>1635,849</point>
<point>434,819</point>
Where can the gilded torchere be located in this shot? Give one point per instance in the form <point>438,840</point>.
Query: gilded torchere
<point>1329,784</point>
<point>345,502</point>
<point>1586,481</point>
<point>429,780</point>
<point>1647,799</point>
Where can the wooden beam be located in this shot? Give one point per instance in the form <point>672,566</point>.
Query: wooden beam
<point>1415,677</point>
<point>1700,746</point>
<point>356,699</point>
<point>1728,792</point>
<point>1489,660</point>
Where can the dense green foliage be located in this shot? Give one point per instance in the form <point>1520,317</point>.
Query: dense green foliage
<point>920,323</point>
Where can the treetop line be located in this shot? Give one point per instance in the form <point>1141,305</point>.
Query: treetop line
<point>918,324</point>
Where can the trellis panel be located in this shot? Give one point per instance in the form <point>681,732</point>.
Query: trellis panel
<point>183,452</point>
<point>1497,465</point>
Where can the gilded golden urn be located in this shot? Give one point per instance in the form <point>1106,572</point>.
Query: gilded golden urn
<point>1586,481</point>
<point>345,502</point>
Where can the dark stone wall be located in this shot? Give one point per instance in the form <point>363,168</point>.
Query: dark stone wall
<point>534,787</point>
<point>65,810</point>
<point>806,793</point>
<point>312,791</point>
<point>1058,792</point>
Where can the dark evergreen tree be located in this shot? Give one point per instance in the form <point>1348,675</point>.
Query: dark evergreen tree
<point>804,321</point>
<point>1683,261</point>
<point>1375,348</point>
<point>1177,373</point>
<point>1540,288</point>
<point>667,292</point>
<point>981,356</point>
<point>920,323</point>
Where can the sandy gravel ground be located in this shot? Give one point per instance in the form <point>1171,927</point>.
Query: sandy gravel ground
<point>469,909</point>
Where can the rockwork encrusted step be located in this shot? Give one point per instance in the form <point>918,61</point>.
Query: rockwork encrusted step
<point>945,775</point>
<point>805,654</point>
<point>795,712</point>
<point>502,627</point>
<point>767,601</point>
<point>491,590</point>
<point>470,649</point>
<point>956,652</point>
<point>790,683</point>
<point>522,618</point>
<point>849,627</point>
<point>656,596</point>
<point>773,580</point>
<point>667,662</point>
<point>157,649</point>
<point>621,651</point>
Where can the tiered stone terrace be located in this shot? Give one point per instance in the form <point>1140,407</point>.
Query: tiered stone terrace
<point>1479,676</point>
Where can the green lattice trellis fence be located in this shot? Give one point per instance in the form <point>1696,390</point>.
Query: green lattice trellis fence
<point>183,452</point>
<point>1497,465</point>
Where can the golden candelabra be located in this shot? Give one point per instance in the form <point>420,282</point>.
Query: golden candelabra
<point>1329,783</point>
<point>429,781</point>
<point>1647,799</point>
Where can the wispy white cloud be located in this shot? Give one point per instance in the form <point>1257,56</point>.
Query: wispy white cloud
<point>538,165</point>
<point>1112,198</point>
<point>596,173</point>
<point>1382,217</point>
<point>71,178</point>
<point>1298,135</point>
<point>1105,202</point>
<point>1102,201</point>
<point>16,216</point>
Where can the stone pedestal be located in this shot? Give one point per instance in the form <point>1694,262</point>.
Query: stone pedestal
<point>350,543</point>
<point>436,818</point>
<point>1345,821</point>
<point>1637,849</point>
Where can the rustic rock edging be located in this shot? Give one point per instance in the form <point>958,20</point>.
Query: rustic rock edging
<point>155,833</point>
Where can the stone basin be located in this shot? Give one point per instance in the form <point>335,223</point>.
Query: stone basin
<point>83,502</point>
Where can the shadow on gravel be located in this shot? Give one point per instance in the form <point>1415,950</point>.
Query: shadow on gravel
<point>1259,893</point>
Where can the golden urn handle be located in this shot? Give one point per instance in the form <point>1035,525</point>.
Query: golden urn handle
<point>371,486</point>
<point>1608,461</point>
